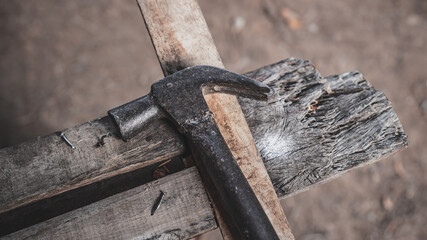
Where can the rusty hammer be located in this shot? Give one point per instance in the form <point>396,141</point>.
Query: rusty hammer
<point>180,98</point>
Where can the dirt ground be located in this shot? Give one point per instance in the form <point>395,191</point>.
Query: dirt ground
<point>66,62</point>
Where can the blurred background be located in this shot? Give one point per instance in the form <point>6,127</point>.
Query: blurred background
<point>66,62</point>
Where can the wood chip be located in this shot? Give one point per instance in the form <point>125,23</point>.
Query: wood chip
<point>291,18</point>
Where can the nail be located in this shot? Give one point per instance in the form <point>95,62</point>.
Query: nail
<point>157,203</point>
<point>62,135</point>
<point>102,138</point>
<point>101,142</point>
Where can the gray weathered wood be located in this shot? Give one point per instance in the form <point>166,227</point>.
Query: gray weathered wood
<point>311,130</point>
<point>185,212</point>
<point>47,166</point>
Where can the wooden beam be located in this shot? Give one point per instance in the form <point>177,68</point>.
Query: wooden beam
<point>185,207</point>
<point>47,166</point>
<point>327,126</point>
<point>312,129</point>
<point>179,34</point>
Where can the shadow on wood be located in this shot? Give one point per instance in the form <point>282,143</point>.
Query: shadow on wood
<point>48,208</point>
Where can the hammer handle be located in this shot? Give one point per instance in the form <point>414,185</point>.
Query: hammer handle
<point>236,194</point>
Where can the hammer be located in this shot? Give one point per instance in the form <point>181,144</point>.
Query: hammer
<point>180,98</point>
<point>181,39</point>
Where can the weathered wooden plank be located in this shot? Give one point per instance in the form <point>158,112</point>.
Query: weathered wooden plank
<point>302,142</point>
<point>313,129</point>
<point>47,166</point>
<point>179,34</point>
<point>185,212</point>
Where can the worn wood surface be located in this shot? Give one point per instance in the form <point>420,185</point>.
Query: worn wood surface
<point>182,39</point>
<point>326,127</point>
<point>311,130</point>
<point>179,34</point>
<point>184,212</point>
<point>47,166</point>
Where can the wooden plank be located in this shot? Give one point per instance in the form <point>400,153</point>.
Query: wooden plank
<point>179,34</point>
<point>182,39</point>
<point>127,215</point>
<point>314,129</point>
<point>47,166</point>
<point>301,143</point>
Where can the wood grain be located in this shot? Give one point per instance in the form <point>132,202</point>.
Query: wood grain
<point>326,127</point>
<point>311,130</point>
<point>47,166</point>
<point>127,215</point>
<point>179,34</point>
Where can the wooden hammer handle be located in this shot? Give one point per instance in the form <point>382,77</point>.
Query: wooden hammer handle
<point>182,39</point>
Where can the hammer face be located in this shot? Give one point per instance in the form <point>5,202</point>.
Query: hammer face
<point>132,117</point>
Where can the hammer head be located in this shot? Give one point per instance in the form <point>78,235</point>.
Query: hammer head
<point>181,94</point>
<point>180,98</point>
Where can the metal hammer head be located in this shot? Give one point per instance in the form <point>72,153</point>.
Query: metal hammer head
<point>180,97</point>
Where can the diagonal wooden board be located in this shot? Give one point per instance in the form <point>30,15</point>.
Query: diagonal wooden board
<point>311,130</point>
<point>181,39</point>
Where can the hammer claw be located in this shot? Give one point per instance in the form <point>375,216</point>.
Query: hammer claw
<point>214,80</point>
<point>248,90</point>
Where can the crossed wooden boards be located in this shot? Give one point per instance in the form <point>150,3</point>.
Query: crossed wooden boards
<point>311,130</point>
